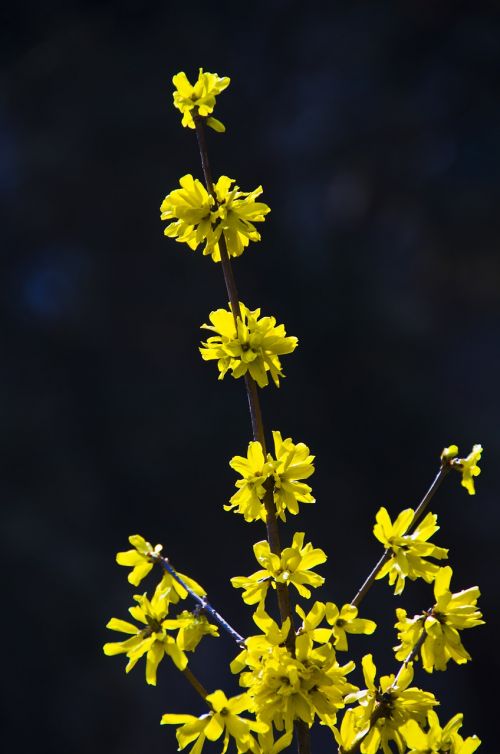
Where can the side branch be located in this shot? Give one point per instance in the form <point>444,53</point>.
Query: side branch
<point>360,595</point>
<point>202,601</point>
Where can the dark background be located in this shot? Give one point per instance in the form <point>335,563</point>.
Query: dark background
<point>373,128</point>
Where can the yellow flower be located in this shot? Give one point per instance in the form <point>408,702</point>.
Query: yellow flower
<point>383,710</point>
<point>198,98</point>
<point>451,613</point>
<point>255,471</point>
<point>346,621</point>
<point>438,739</point>
<point>408,550</point>
<point>449,453</point>
<point>192,628</point>
<point>469,468</point>
<point>223,720</point>
<point>196,217</point>
<point>310,631</point>
<point>172,591</point>
<point>152,640</point>
<point>256,646</point>
<point>255,347</point>
<point>292,567</point>
<point>141,558</point>
<point>291,464</point>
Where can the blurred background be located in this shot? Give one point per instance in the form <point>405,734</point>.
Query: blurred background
<point>373,128</point>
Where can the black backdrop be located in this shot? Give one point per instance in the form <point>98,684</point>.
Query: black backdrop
<point>373,128</point>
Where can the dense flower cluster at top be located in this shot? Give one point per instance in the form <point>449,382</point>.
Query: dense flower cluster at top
<point>247,343</point>
<point>284,472</point>
<point>196,216</point>
<point>199,98</point>
<point>408,551</point>
<point>441,625</point>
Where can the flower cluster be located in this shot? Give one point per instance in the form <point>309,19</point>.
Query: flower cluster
<point>142,559</point>
<point>247,343</point>
<point>159,633</point>
<point>285,687</point>
<point>383,710</point>
<point>224,719</point>
<point>196,216</point>
<point>283,474</point>
<point>199,99</point>
<point>293,566</point>
<point>440,625</point>
<point>408,551</point>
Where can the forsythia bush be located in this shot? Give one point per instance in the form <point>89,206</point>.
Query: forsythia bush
<point>295,672</point>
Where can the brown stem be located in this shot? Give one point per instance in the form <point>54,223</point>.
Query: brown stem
<point>303,737</point>
<point>360,595</point>
<point>195,683</point>
<point>301,729</point>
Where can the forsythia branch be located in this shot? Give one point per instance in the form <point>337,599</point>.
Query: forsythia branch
<point>202,601</point>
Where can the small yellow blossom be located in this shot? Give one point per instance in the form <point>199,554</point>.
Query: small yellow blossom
<point>141,558</point>
<point>254,348</point>
<point>408,550</point>
<point>152,640</point>
<point>199,98</point>
<point>291,464</point>
<point>291,567</point>
<point>345,621</point>
<point>310,631</point>
<point>195,216</point>
<point>449,453</point>
<point>192,628</point>
<point>255,646</point>
<point>469,468</point>
<point>223,720</point>
<point>451,613</point>
<point>383,710</point>
<point>255,470</point>
<point>438,739</point>
<point>172,591</point>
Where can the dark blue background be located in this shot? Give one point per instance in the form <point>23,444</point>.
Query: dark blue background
<point>373,128</point>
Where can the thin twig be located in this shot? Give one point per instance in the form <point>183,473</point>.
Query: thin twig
<point>195,683</point>
<point>202,601</point>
